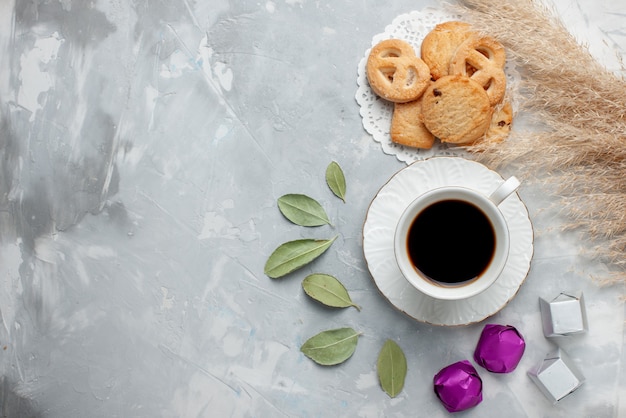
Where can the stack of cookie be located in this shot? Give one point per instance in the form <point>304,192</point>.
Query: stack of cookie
<point>453,92</point>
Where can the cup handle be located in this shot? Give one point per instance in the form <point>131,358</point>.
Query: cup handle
<point>504,190</point>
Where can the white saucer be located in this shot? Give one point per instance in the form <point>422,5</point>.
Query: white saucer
<point>379,229</point>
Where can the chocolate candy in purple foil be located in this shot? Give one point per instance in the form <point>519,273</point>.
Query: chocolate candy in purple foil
<point>458,386</point>
<point>500,348</point>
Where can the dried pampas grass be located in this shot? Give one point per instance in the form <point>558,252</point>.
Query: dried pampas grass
<point>580,147</point>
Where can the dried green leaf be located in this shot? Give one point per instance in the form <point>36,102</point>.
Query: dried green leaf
<point>292,255</point>
<point>302,210</point>
<point>391,368</point>
<point>328,290</point>
<point>336,180</point>
<point>331,347</point>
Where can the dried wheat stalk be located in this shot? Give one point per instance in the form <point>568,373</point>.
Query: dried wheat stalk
<point>579,105</point>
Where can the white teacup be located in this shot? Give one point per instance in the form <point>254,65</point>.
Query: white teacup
<point>453,242</point>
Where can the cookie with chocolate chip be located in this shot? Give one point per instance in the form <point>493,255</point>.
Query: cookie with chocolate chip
<point>456,109</point>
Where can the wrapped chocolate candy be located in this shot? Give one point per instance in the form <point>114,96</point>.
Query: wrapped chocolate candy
<point>557,375</point>
<point>500,348</point>
<point>458,386</point>
<point>564,315</point>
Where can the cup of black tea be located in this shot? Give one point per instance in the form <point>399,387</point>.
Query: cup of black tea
<point>453,242</point>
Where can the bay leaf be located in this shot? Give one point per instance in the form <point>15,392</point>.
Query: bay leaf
<point>391,368</point>
<point>302,210</point>
<point>293,255</point>
<point>336,180</point>
<point>328,290</point>
<point>331,347</point>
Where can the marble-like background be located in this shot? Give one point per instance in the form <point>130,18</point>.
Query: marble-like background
<point>143,146</point>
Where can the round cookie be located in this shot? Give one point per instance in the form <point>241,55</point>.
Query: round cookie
<point>395,73</point>
<point>501,121</point>
<point>456,109</point>
<point>439,44</point>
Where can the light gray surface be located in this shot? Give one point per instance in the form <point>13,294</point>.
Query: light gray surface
<point>144,145</point>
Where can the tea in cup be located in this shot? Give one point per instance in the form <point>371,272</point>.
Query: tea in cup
<point>453,242</point>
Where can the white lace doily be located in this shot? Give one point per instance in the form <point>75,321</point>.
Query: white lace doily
<point>376,113</point>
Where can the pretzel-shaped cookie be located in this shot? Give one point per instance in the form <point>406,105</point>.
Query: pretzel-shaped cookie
<point>487,57</point>
<point>395,73</point>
